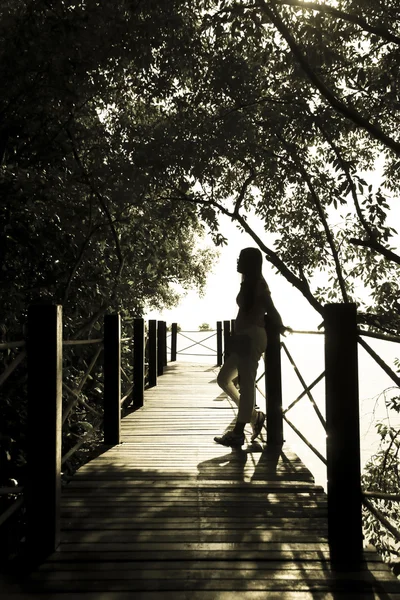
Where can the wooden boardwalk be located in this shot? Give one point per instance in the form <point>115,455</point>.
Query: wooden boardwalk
<point>169,514</point>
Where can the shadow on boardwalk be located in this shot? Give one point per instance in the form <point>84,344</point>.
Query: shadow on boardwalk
<point>170,515</point>
<point>131,531</point>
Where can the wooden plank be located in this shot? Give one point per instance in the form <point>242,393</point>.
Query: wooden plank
<point>199,565</point>
<point>240,554</point>
<point>265,585</point>
<point>192,536</point>
<point>206,595</point>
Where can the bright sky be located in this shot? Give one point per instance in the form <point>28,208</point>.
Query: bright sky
<point>219,302</point>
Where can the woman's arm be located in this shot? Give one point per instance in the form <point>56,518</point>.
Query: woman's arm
<point>273,314</point>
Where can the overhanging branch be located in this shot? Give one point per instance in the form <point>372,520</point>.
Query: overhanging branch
<point>345,16</point>
<point>101,200</point>
<point>318,207</point>
<point>348,112</point>
<point>270,255</point>
<point>374,245</point>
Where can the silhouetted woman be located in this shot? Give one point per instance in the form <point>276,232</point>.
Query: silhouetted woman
<point>247,346</point>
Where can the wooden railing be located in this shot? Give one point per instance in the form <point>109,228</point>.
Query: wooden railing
<point>46,414</point>
<point>44,352</point>
<point>184,336</point>
<point>342,424</point>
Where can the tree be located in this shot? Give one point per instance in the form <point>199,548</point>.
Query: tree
<point>85,170</point>
<point>84,219</point>
<point>204,327</point>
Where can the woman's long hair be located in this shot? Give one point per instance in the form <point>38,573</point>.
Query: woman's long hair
<point>251,269</point>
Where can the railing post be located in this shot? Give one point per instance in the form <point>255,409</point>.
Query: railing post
<point>273,385</point>
<point>343,433</point>
<point>152,353</point>
<point>174,339</point>
<point>160,349</point>
<point>219,343</point>
<point>44,430</point>
<point>233,323</point>
<point>112,380</point>
<point>227,333</point>
<point>164,343</point>
<point>138,362</point>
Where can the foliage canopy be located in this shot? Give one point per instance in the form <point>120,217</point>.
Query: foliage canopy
<point>124,126</point>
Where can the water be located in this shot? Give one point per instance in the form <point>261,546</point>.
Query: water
<point>308,354</point>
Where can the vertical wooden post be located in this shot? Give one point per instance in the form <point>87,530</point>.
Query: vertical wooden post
<point>219,343</point>
<point>160,349</point>
<point>343,433</point>
<point>273,385</point>
<point>152,353</point>
<point>164,343</point>
<point>227,333</point>
<point>174,339</point>
<point>138,362</point>
<point>112,380</point>
<point>43,487</point>
<point>233,323</point>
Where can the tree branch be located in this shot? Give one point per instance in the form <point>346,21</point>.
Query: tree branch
<point>78,262</point>
<point>345,168</point>
<point>101,200</point>
<point>274,259</point>
<point>348,112</point>
<point>374,245</point>
<point>242,193</point>
<point>306,177</point>
<point>335,12</point>
<point>103,308</point>
<point>270,255</point>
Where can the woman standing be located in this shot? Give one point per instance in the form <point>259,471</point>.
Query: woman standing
<point>247,346</point>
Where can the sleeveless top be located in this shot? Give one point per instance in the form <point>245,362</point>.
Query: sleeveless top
<point>255,315</point>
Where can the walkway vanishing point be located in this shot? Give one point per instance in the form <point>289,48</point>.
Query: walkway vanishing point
<point>170,515</point>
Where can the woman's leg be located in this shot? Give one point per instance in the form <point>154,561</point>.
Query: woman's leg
<point>245,364</point>
<point>247,372</point>
<point>247,367</point>
<point>228,372</point>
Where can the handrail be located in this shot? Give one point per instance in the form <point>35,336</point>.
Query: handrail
<point>200,343</point>
<point>304,332</point>
<point>22,343</point>
<point>304,392</point>
<point>363,332</point>
<point>78,390</point>
<point>11,510</point>
<point>128,393</point>
<point>100,421</point>
<point>380,362</point>
<point>306,389</point>
<point>81,400</point>
<point>45,326</point>
<point>8,491</point>
<point>82,342</point>
<point>198,331</point>
<point>379,336</point>
<point>304,439</point>
<point>11,367</point>
<point>10,345</point>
